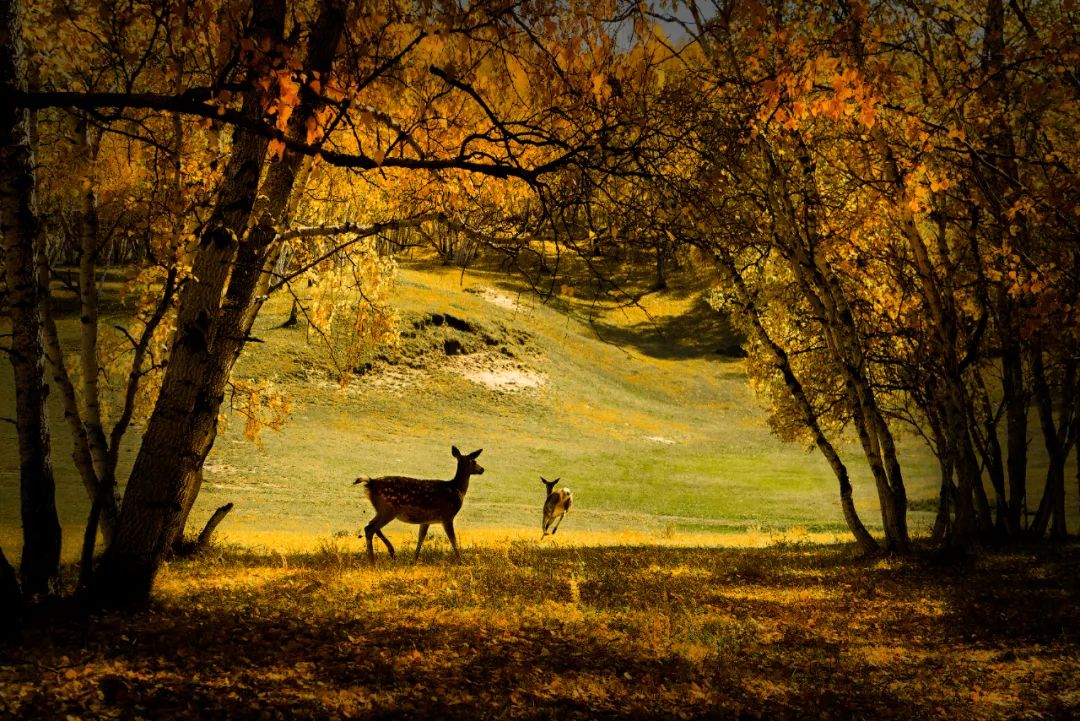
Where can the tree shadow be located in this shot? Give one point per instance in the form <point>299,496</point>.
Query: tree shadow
<point>700,332</point>
<point>559,632</point>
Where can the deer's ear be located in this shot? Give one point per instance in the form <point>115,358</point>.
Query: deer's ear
<point>543,480</point>
<point>474,454</point>
<point>557,479</point>
<point>455,451</point>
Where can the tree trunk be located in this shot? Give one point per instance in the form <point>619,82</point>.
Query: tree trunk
<point>177,435</point>
<point>189,501</point>
<point>990,450</point>
<point>207,534</point>
<point>1058,443</point>
<point>946,496</point>
<point>798,394</point>
<point>1016,420</point>
<point>826,295</point>
<point>214,320</point>
<point>19,227</point>
<point>80,454</point>
<point>11,600</point>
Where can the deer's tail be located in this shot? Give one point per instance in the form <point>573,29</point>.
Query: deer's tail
<point>366,482</point>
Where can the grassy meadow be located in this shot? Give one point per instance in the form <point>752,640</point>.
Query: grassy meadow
<point>702,573</point>
<point>643,412</point>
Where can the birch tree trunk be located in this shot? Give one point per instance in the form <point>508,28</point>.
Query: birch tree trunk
<point>19,227</point>
<point>797,238</point>
<point>798,394</point>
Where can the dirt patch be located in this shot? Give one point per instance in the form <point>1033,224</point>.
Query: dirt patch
<point>395,380</point>
<point>496,372</point>
<point>489,353</point>
<point>495,297</point>
<point>428,339</point>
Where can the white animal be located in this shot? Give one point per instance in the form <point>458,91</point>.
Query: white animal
<point>556,506</point>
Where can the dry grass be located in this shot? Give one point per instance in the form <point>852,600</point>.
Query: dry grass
<point>525,630</point>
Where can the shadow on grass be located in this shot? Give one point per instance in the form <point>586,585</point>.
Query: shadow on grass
<point>700,332</point>
<point>533,632</point>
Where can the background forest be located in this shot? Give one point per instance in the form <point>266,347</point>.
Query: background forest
<point>252,250</point>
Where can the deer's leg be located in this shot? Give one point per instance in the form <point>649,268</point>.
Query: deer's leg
<point>420,540</point>
<point>448,526</point>
<point>374,528</point>
<point>389,546</point>
<point>557,522</point>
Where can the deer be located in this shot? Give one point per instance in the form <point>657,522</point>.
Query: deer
<point>421,501</point>
<point>556,506</point>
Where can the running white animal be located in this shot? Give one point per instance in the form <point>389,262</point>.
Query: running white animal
<point>556,506</point>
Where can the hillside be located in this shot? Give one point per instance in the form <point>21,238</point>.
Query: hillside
<point>656,432</point>
<point>651,442</point>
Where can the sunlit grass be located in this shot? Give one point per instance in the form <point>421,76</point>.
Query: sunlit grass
<point>521,629</point>
<point>657,434</point>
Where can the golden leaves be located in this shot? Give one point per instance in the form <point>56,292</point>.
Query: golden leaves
<point>276,148</point>
<point>260,404</point>
<point>237,634</point>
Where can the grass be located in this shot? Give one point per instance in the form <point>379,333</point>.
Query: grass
<point>524,630</point>
<point>655,432</point>
<point>703,572</point>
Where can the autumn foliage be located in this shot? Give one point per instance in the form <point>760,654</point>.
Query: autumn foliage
<point>885,194</point>
<point>888,195</point>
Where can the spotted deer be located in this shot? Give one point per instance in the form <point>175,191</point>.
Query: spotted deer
<point>556,506</point>
<point>415,500</point>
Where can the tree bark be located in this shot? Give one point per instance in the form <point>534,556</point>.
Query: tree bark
<point>946,498</point>
<point>80,454</point>
<point>214,320</point>
<point>826,295</point>
<point>1016,433</point>
<point>207,534</point>
<point>780,357</point>
<point>1058,442</point>
<point>11,600</point>
<point>990,450</point>
<point>19,227</point>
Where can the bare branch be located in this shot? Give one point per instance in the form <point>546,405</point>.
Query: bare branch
<point>189,104</point>
<point>140,347</point>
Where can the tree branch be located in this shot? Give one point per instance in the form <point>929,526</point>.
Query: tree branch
<point>359,232</point>
<point>189,103</point>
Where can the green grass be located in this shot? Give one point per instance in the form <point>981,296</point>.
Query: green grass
<point>655,432</point>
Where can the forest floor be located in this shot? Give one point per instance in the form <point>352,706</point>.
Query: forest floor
<point>529,630</point>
